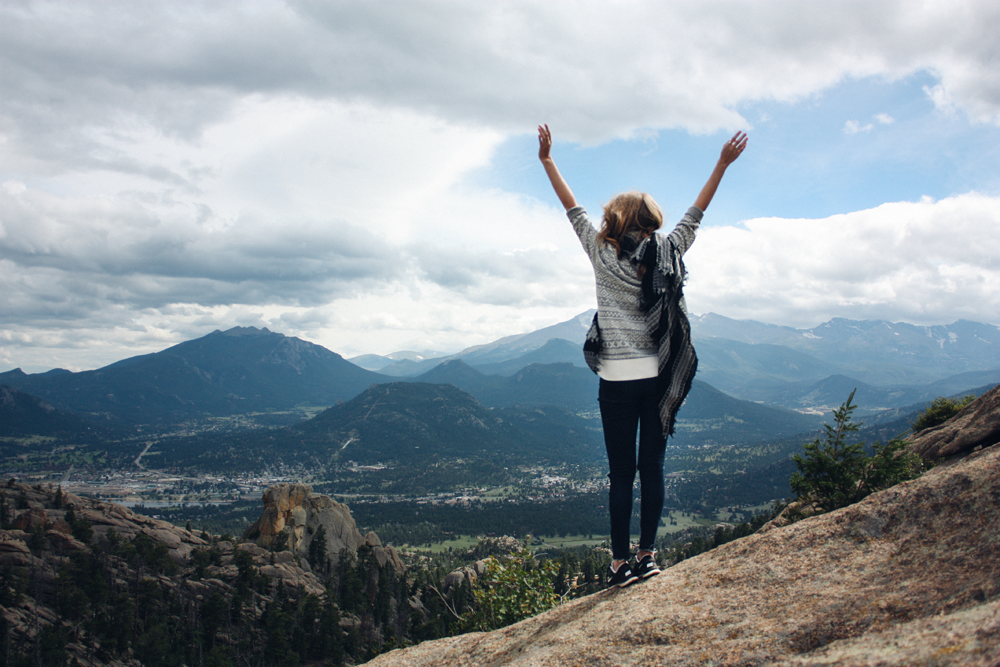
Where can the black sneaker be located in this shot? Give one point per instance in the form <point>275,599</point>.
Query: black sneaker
<point>646,568</point>
<point>622,578</point>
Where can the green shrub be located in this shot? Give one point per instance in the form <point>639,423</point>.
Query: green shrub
<point>513,588</point>
<point>939,411</point>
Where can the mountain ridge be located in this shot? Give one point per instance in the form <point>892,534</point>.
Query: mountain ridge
<point>229,372</point>
<point>249,371</point>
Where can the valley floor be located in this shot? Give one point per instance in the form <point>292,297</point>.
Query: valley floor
<point>560,511</point>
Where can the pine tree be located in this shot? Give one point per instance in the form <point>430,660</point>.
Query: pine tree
<point>828,471</point>
<point>835,473</point>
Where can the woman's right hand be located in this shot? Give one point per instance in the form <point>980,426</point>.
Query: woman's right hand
<point>544,143</point>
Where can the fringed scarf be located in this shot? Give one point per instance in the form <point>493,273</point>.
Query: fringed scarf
<point>667,324</point>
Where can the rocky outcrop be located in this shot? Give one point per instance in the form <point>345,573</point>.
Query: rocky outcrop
<point>279,566</point>
<point>975,426</point>
<point>293,516</point>
<point>46,514</point>
<point>908,576</point>
<point>468,573</point>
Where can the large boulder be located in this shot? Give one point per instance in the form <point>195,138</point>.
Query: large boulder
<point>976,426</point>
<point>468,573</point>
<point>31,520</point>
<point>14,550</point>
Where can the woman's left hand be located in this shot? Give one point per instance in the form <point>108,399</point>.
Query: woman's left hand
<point>544,142</point>
<point>733,148</point>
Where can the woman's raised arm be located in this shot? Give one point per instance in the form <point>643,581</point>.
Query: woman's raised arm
<point>559,184</point>
<point>732,150</point>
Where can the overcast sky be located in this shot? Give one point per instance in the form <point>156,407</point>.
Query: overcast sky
<point>364,175</point>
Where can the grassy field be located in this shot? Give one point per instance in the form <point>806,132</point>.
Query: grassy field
<point>499,493</point>
<point>678,521</point>
<point>570,541</point>
<point>458,543</point>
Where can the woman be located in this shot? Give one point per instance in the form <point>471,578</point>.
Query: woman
<point>639,344</point>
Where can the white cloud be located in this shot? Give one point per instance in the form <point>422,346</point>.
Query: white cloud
<point>170,168</point>
<point>307,218</point>
<point>854,127</point>
<point>923,262</point>
<point>599,70</point>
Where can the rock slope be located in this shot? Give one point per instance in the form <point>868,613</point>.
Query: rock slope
<point>909,576</point>
<point>43,513</point>
<point>977,425</point>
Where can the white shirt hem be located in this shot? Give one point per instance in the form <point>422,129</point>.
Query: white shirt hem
<point>619,370</point>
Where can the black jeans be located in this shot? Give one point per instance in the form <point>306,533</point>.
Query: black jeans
<point>626,407</point>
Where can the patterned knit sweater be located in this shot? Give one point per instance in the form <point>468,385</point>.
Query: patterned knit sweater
<point>624,331</point>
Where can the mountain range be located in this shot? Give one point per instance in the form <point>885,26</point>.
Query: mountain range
<point>751,375</point>
<point>892,364</point>
<point>499,351</point>
<point>525,403</point>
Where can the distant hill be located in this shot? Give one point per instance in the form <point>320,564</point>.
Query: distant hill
<point>504,349</point>
<point>23,415</point>
<point>463,376</point>
<point>979,381</point>
<point>747,369</point>
<point>376,362</point>
<point>417,423</point>
<point>238,371</point>
<point>561,384</point>
<point>834,390</point>
<point>708,416</point>
<point>555,351</point>
<point>403,437</point>
<point>573,330</point>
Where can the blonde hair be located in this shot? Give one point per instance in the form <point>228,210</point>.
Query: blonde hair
<point>629,212</point>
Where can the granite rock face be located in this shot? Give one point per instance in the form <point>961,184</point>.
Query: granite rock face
<point>41,514</point>
<point>293,515</point>
<point>909,576</point>
<point>976,425</point>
